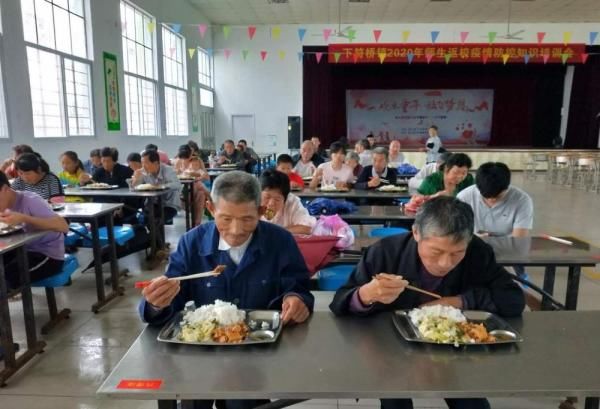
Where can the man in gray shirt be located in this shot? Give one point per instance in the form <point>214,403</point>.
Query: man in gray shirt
<point>500,209</point>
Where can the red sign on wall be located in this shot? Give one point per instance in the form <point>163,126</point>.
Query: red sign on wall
<point>456,53</point>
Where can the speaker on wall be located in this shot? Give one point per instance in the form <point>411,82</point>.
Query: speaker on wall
<point>294,132</point>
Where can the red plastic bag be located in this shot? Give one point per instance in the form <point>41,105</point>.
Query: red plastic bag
<point>317,251</point>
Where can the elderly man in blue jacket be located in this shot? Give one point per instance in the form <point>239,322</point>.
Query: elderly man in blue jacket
<point>264,267</point>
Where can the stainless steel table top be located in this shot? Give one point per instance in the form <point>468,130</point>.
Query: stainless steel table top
<point>377,213</point>
<point>351,194</point>
<point>73,210</point>
<point>121,192</point>
<point>16,240</point>
<point>354,357</point>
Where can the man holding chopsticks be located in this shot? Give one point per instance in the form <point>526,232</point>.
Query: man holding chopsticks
<point>377,174</point>
<point>440,256</point>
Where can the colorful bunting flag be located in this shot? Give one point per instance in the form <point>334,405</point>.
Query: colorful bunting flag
<point>151,26</point>
<point>492,36</point>
<point>405,35</point>
<point>463,36</point>
<point>301,34</point>
<point>281,55</point>
<point>226,32</point>
<point>526,58</point>
<point>276,32</point>
<point>593,35</point>
<point>484,58</point>
<point>377,35</point>
<point>245,54</point>
<point>564,57</point>
<point>410,57</point>
<point>176,28</point>
<point>546,57</point>
<point>540,37</point>
<point>584,57</point>
<point>434,36</point>
<point>202,29</point>
<point>382,57</point>
<point>505,58</point>
<point>447,57</point>
<point>263,55</point>
<point>191,52</point>
<point>326,34</point>
<point>300,55</point>
<point>251,32</point>
<point>428,57</point>
<point>336,56</point>
<point>567,37</point>
<point>319,56</point>
<point>227,52</point>
<point>351,34</point>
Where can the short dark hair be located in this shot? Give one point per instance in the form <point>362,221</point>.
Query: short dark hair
<point>445,216</point>
<point>22,148</point>
<point>364,143</point>
<point>108,152</point>
<point>492,178</point>
<point>27,162</point>
<point>3,180</point>
<point>433,127</point>
<point>243,141</point>
<point>228,141</point>
<point>284,158</point>
<point>184,152</point>
<point>134,157</point>
<point>74,157</point>
<point>95,153</point>
<point>274,179</point>
<point>459,160</point>
<point>152,155</point>
<point>337,147</point>
<point>151,147</point>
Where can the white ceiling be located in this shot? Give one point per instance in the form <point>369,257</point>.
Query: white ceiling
<point>240,12</point>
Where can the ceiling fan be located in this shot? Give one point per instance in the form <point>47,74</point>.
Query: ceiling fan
<point>510,35</point>
<point>339,32</point>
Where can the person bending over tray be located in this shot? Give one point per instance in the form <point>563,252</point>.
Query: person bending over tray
<point>264,267</point>
<point>377,174</point>
<point>440,255</point>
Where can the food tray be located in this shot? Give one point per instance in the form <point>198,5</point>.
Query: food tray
<point>153,189</point>
<point>504,333</point>
<point>88,187</point>
<point>397,189</point>
<point>171,330</point>
<point>57,206</point>
<point>5,231</point>
<point>343,190</point>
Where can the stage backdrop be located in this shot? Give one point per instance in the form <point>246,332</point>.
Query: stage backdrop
<point>463,116</point>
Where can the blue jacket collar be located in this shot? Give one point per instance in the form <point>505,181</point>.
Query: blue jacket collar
<point>210,241</point>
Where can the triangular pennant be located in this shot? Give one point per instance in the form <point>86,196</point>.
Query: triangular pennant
<point>151,26</point>
<point>301,34</point>
<point>319,56</point>
<point>227,52</point>
<point>351,34</point>
<point>209,51</point>
<point>434,36</point>
<point>526,58</point>
<point>245,54</point>
<point>405,35</point>
<point>377,35</point>
<point>567,37</point>
<point>410,57</point>
<point>428,57</point>
<point>564,57</point>
<point>355,57</point>
<point>447,57</point>
<point>593,35</point>
<point>300,55</point>
<point>226,32</point>
<point>176,28</point>
<point>251,32</point>
<point>463,36</point>
<point>505,58</point>
<point>336,56</point>
<point>263,55</point>
<point>540,37</point>
<point>492,36</point>
<point>282,55</point>
<point>584,57</point>
<point>191,52</point>
<point>326,34</point>
<point>275,32</point>
<point>485,58</point>
<point>546,57</point>
<point>382,57</point>
<point>202,29</point>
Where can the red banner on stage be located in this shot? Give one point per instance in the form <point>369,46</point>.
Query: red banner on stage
<point>457,53</point>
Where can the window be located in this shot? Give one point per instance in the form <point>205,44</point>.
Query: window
<point>56,35</point>
<point>206,98</point>
<point>204,68</point>
<point>174,53</point>
<point>3,120</point>
<point>140,74</point>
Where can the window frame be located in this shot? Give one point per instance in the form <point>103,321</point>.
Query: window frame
<point>211,64</point>
<point>175,88</point>
<point>3,90</point>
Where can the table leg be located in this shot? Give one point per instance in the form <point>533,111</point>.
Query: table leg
<point>192,206</point>
<point>572,287</point>
<point>151,216</point>
<point>167,404</point>
<point>592,403</point>
<point>188,204</point>
<point>161,214</point>
<point>97,251</point>
<point>549,276</point>
<point>6,337</point>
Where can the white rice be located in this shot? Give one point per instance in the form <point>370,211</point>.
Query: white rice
<point>417,315</point>
<point>221,313</point>
<point>3,226</point>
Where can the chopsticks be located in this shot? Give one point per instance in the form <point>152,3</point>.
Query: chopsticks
<point>556,239</point>
<point>215,272</point>
<point>413,288</point>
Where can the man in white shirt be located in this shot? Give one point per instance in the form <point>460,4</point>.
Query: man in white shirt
<point>395,156</point>
<point>305,167</point>
<point>363,148</point>
<point>433,145</point>
<point>282,207</point>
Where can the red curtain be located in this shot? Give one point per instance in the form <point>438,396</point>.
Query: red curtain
<point>527,98</point>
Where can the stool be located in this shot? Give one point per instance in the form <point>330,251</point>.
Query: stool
<point>59,280</point>
<point>332,278</point>
<point>387,231</point>
<point>122,235</point>
<point>76,232</point>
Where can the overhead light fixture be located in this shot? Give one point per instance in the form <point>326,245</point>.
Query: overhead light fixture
<point>359,1</point>
<point>278,1</point>
<point>440,1</point>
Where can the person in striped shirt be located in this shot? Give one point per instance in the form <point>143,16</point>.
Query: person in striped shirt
<point>34,176</point>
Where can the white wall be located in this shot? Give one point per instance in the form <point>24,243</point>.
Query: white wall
<point>272,90</point>
<point>106,35</point>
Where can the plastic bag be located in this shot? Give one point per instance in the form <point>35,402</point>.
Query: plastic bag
<point>322,205</point>
<point>406,169</point>
<point>335,226</point>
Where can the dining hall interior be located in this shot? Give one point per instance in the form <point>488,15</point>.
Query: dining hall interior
<point>316,204</point>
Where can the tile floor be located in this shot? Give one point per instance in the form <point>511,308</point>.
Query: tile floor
<point>84,349</point>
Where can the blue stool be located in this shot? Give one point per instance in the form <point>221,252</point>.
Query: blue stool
<point>122,235</point>
<point>332,278</point>
<point>387,231</point>
<point>59,280</point>
<point>76,232</point>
